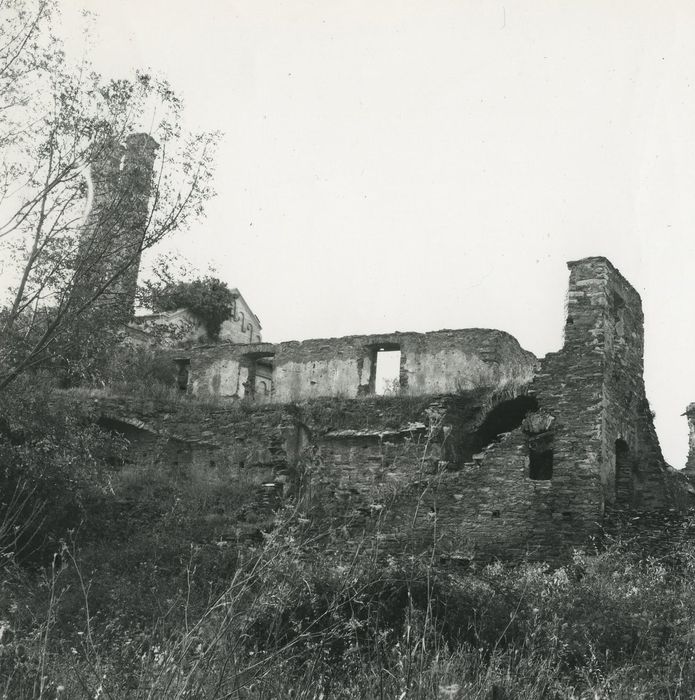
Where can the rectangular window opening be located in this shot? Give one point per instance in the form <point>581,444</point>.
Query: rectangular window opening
<point>388,371</point>
<point>540,456</point>
<point>540,465</point>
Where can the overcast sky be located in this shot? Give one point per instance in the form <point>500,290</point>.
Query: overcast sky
<point>428,164</point>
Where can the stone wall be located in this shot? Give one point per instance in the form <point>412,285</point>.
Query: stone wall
<point>401,471</point>
<point>256,445</point>
<point>407,474</point>
<point>422,489</point>
<point>468,461</point>
<point>593,419</point>
<point>181,328</point>
<point>604,329</point>
<point>243,326</point>
<point>120,176</point>
<point>431,363</point>
<point>690,464</point>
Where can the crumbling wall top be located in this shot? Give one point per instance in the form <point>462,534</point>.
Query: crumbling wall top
<point>439,362</point>
<point>597,264</point>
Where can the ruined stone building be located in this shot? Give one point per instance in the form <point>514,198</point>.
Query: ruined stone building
<point>120,178</point>
<point>481,449</point>
<point>484,450</point>
<point>182,326</point>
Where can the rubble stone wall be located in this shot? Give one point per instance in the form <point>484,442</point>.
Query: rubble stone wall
<point>496,467</point>
<point>431,363</point>
<point>690,464</point>
<point>592,408</point>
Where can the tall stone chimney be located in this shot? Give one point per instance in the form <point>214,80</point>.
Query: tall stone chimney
<point>116,223</point>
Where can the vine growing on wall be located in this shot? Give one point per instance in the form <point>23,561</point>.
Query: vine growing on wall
<point>208,298</point>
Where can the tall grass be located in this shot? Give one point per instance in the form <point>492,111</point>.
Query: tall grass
<point>292,625</point>
<point>164,593</point>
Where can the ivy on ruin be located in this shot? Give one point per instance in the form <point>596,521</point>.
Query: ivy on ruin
<point>209,298</point>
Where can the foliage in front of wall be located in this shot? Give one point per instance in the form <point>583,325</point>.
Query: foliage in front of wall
<point>53,459</point>
<point>137,371</point>
<point>164,586</point>
<point>208,298</point>
<point>179,608</point>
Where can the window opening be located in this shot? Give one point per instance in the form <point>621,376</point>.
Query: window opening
<point>388,371</point>
<point>540,457</point>
<point>624,472</point>
<point>182,373</point>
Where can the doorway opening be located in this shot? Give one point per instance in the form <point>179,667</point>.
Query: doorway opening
<point>259,381</point>
<point>387,376</point>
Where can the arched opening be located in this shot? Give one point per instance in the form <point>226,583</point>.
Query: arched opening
<point>503,418</point>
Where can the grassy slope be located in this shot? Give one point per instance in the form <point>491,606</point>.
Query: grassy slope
<point>160,593</point>
<point>148,600</point>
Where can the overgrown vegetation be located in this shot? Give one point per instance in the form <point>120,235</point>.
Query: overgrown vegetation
<point>149,579</point>
<point>165,608</point>
<point>77,206</point>
<point>208,298</point>
<point>139,372</point>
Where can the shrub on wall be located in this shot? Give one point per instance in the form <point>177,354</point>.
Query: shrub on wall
<point>208,298</point>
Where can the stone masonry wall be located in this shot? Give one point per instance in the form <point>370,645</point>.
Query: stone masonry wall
<point>592,416</point>
<point>402,472</point>
<point>526,470</point>
<point>431,363</point>
<point>690,464</point>
<point>414,501</point>
<point>397,470</point>
<point>254,447</point>
<point>116,223</point>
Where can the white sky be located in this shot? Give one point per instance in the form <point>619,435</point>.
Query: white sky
<point>417,165</point>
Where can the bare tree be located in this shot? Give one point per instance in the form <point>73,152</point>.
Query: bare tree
<point>85,192</point>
